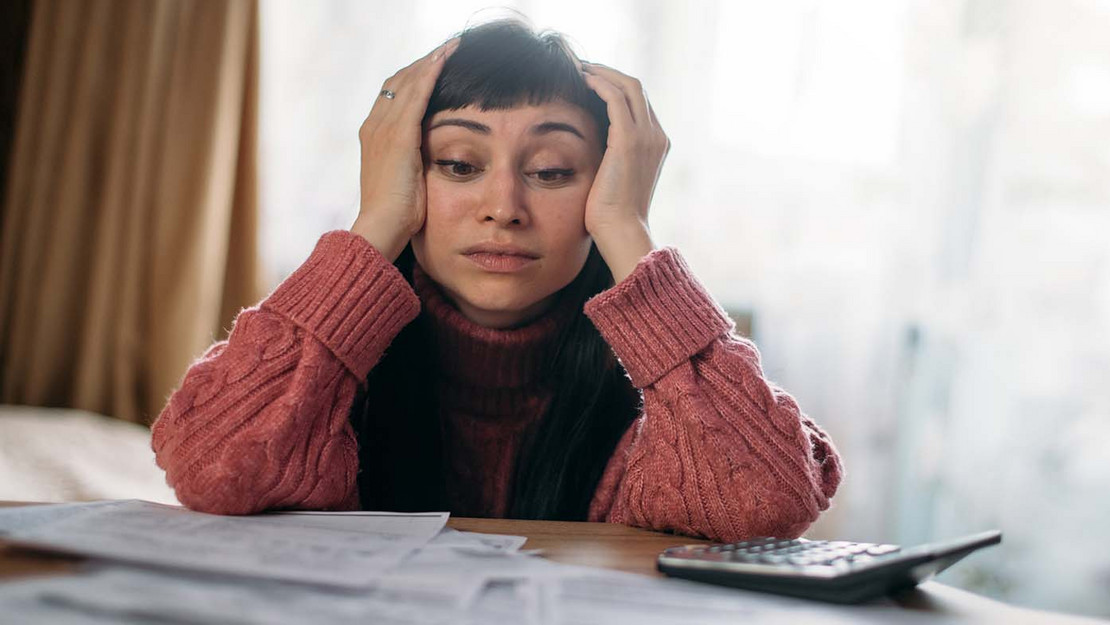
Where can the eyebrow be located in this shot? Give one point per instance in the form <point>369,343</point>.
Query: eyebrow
<point>542,128</point>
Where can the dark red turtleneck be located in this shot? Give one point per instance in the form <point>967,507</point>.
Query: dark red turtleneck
<point>493,392</point>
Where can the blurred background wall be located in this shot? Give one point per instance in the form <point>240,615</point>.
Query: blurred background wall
<point>911,197</point>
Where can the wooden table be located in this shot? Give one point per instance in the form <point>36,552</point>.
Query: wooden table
<point>606,545</point>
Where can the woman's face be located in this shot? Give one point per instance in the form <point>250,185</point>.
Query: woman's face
<point>515,178</point>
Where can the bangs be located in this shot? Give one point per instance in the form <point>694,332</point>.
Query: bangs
<point>503,64</point>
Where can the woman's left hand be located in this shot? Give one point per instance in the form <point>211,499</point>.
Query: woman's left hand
<point>617,206</point>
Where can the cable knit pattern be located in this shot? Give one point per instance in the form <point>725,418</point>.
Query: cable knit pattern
<point>261,420</point>
<point>719,452</point>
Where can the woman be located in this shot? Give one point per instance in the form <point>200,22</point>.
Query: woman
<point>502,255</point>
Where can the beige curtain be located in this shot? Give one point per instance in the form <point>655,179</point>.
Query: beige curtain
<point>129,220</point>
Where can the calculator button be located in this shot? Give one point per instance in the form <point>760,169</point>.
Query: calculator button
<point>772,559</point>
<point>879,550</point>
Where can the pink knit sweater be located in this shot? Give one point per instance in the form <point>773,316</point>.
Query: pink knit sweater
<point>261,420</point>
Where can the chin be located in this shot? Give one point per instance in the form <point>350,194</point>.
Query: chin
<point>499,299</point>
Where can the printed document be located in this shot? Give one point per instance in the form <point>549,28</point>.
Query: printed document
<point>346,550</point>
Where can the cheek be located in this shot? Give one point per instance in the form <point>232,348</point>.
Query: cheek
<point>562,217</point>
<point>565,229</point>
<point>565,238</point>
<point>451,203</point>
<point>446,206</point>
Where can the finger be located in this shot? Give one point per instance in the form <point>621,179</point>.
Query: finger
<point>442,49</point>
<point>418,71</point>
<point>633,89</point>
<point>616,104</point>
<point>418,66</point>
<point>651,111</point>
<point>423,81</point>
<point>410,98</point>
<point>414,86</point>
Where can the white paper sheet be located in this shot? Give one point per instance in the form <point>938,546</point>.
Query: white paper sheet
<point>546,593</point>
<point>515,601</point>
<point>549,594</point>
<point>24,602</point>
<point>456,573</point>
<point>422,525</point>
<point>613,597</point>
<point>345,550</point>
<point>137,594</point>
<point>14,518</point>
<point>477,542</point>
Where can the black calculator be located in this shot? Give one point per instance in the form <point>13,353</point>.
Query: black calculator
<point>829,570</point>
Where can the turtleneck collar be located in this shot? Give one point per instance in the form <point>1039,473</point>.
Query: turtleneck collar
<point>487,357</point>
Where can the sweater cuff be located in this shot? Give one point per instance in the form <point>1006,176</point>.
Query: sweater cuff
<point>657,317</point>
<point>349,297</point>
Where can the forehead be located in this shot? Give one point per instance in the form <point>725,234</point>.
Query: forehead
<point>517,121</point>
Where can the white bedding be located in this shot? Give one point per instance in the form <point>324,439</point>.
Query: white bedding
<point>55,454</point>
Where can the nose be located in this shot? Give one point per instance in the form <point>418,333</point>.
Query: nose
<point>504,199</point>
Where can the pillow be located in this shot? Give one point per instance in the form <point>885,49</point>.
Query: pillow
<point>59,454</point>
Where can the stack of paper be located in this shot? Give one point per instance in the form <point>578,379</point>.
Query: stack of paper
<point>158,564</point>
<point>348,550</point>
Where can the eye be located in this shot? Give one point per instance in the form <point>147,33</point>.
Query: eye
<point>458,169</point>
<point>554,175</point>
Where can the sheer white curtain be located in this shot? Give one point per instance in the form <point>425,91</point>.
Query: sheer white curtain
<point>912,197</point>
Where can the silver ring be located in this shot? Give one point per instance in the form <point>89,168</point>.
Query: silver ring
<point>387,94</point>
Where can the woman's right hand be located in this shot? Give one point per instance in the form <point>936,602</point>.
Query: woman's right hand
<point>393,195</point>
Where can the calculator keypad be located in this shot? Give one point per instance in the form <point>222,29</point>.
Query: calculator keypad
<point>796,552</point>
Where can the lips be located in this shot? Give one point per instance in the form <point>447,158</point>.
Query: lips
<point>500,257</point>
<point>500,249</point>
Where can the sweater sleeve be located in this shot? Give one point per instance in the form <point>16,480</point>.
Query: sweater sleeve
<point>719,451</point>
<point>260,421</point>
